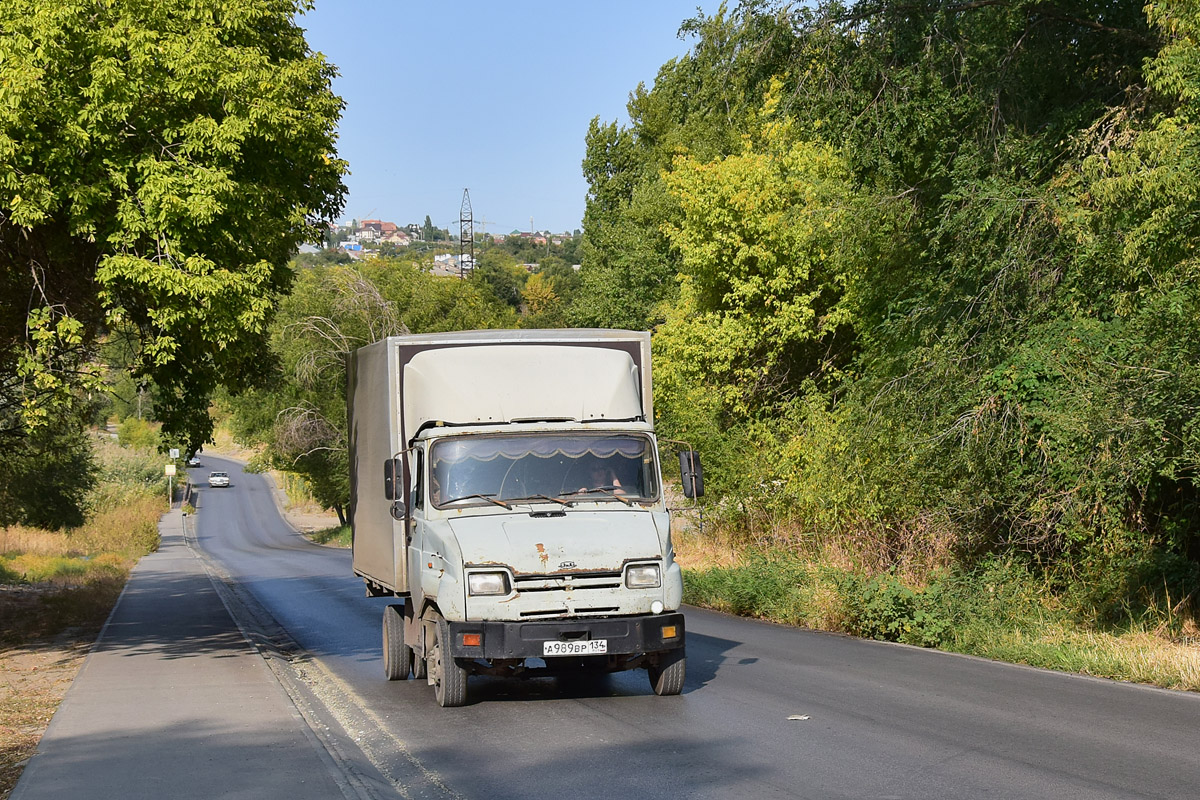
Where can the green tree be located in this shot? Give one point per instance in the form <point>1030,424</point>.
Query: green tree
<point>765,238</point>
<point>159,163</point>
<point>499,274</point>
<point>45,476</point>
<point>543,306</point>
<point>996,329</point>
<point>562,275</point>
<point>700,105</point>
<point>325,257</point>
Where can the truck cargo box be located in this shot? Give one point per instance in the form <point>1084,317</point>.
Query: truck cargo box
<point>403,384</point>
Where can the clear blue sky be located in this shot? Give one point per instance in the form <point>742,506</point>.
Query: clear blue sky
<point>491,96</point>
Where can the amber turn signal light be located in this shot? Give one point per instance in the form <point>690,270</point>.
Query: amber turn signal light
<point>472,639</point>
<point>668,632</point>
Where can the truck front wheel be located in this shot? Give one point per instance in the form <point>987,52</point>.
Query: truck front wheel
<point>666,677</point>
<point>397,656</point>
<point>449,679</point>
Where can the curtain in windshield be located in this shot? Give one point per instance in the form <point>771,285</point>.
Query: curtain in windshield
<point>575,467</point>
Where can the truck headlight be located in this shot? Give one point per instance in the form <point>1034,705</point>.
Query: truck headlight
<point>487,583</point>
<point>643,576</point>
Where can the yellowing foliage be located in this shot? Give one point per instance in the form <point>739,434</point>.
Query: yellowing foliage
<point>763,276</point>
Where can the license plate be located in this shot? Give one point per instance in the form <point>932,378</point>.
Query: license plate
<point>589,647</point>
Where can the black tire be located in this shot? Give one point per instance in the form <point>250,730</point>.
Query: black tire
<point>397,656</point>
<point>419,667</point>
<point>449,678</point>
<point>666,677</point>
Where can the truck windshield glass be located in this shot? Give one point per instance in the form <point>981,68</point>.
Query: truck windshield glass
<point>482,470</point>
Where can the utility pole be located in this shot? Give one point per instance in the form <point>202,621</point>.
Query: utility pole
<point>466,236</point>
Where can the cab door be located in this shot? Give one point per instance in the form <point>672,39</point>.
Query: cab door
<point>414,526</point>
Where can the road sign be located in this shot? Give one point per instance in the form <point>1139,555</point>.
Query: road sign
<point>169,470</point>
<point>174,452</point>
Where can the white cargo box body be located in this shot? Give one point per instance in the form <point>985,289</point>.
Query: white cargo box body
<point>403,384</point>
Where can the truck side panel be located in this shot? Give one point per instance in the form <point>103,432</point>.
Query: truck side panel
<point>373,407</point>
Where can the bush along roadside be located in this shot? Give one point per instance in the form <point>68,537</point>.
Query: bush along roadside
<point>1003,608</point>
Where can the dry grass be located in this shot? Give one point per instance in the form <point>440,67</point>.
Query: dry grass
<point>103,549</point>
<point>1134,656</point>
<point>33,681</point>
<point>696,550</point>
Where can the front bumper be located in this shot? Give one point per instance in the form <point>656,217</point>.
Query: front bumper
<point>625,635</point>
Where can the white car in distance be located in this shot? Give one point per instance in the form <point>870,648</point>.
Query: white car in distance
<point>216,479</point>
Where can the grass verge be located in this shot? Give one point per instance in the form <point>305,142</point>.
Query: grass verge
<point>1002,608</point>
<point>337,536</point>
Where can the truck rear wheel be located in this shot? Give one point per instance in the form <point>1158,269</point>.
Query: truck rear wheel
<point>666,677</point>
<point>449,679</point>
<point>397,656</point>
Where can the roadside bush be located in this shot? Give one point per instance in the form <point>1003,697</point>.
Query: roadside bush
<point>766,585</point>
<point>1133,584</point>
<point>884,607</point>
<point>951,609</point>
<point>45,477</point>
<point>138,434</point>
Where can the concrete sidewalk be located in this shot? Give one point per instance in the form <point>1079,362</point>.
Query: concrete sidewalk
<point>174,702</point>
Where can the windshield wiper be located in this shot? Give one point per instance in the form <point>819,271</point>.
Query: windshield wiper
<point>608,490</point>
<point>560,501</point>
<point>491,498</point>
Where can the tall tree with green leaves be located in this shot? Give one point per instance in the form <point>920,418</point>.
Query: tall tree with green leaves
<point>699,106</point>
<point>159,163</point>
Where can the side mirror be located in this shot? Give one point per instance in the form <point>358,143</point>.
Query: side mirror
<point>393,479</point>
<point>691,474</point>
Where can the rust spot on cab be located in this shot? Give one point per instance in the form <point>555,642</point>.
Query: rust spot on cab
<point>542,554</point>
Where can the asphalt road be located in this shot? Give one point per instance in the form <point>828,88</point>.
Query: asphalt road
<point>876,720</point>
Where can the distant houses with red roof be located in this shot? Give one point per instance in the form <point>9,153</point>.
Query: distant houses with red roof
<point>359,237</point>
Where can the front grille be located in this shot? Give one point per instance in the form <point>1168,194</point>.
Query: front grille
<point>562,612</point>
<point>576,581</point>
<point>567,595</point>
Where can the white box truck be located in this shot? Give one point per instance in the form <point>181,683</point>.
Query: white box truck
<point>505,485</point>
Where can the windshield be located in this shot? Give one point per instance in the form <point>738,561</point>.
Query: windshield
<point>542,467</point>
